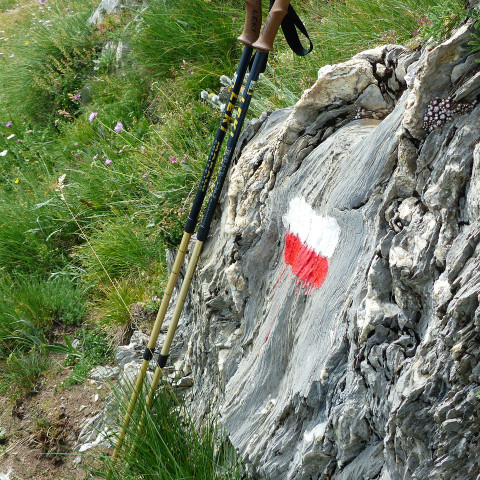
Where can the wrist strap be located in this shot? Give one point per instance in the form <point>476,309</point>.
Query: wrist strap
<point>291,25</point>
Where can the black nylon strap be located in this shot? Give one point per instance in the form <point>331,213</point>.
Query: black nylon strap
<point>290,26</point>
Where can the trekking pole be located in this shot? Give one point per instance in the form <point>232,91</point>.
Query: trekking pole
<point>263,45</point>
<point>253,21</point>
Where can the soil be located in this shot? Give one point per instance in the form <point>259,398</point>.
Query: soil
<point>43,428</point>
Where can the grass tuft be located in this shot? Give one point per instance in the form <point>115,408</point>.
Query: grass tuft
<point>171,446</point>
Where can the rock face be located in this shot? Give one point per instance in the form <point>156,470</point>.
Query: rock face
<point>109,6</point>
<point>373,374</point>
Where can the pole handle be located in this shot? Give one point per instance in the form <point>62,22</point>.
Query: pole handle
<point>271,26</point>
<point>253,22</point>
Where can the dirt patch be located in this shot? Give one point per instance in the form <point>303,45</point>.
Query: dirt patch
<point>42,430</point>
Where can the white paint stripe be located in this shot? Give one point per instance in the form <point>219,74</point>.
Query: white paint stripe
<point>320,233</point>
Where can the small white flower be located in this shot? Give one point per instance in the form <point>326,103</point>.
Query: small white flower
<point>10,136</point>
<point>2,154</point>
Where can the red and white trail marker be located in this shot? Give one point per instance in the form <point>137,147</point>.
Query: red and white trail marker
<point>310,241</point>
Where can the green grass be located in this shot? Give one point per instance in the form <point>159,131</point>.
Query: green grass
<point>192,41</point>
<point>171,447</point>
<point>30,307</point>
<point>120,250</point>
<point>6,4</point>
<point>20,373</point>
<point>47,63</point>
<point>94,349</point>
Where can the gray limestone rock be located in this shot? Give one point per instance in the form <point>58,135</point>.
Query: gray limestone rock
<point>374,374</point>
<point>109,6</point>
<point>102,373</point>
<point>6,475</point>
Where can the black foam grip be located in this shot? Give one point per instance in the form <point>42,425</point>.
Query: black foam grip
<point>162,360</point>
<point>148,353</point>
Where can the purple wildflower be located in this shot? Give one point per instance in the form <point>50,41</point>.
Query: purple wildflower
<point>92,116</point>
<point>8,124</point>
<point>173,159</point>
<point>118,127</point>
<point>108,161</point>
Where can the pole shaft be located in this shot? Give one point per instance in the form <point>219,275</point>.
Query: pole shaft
<point>259,64</point>
<point>182,250</point>
<point>128,415</point>
<point>257,67</point>
<point>172,281</point>
<point>192,265</point>
<point>189,229</point>
<point>167,343</point>
<point>220,135</point>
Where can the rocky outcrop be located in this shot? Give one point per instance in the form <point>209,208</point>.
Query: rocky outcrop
<point>107,7</point>
<point>374,373</point>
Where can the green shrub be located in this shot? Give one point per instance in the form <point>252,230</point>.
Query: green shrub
<point>443,17</point>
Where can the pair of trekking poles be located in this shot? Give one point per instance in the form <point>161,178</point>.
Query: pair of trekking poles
<point>281,13</point>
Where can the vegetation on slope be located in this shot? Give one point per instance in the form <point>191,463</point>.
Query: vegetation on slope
<point>103,137</point>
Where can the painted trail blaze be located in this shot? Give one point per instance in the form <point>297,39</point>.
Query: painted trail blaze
<point>310,241</point>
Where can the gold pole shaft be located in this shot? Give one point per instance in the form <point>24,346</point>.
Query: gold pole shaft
<point>172,280</point>
<point>192,265</point>
<point>149,400</point>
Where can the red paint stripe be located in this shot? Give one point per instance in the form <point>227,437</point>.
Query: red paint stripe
<point>292,248</point>
<point>308,266</point>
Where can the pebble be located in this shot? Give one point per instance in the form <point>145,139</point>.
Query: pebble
<point>185,382</point>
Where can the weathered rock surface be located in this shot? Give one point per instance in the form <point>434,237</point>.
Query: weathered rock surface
<point>106,7</point>
<point>375,374</point>
<point>6,475</point>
